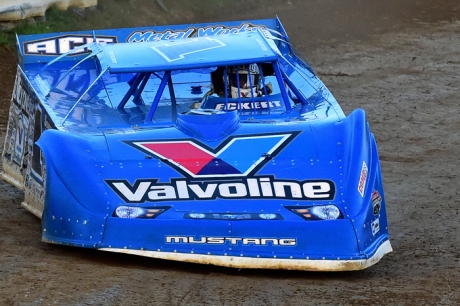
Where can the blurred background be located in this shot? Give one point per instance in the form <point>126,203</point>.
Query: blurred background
<point>320,21</point>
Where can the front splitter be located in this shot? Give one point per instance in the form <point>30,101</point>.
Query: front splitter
<point>325,265</point>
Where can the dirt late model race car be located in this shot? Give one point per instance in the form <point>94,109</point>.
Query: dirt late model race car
<point>205,143</point>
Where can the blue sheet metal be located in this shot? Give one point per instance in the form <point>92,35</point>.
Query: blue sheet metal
<point>192,53</point>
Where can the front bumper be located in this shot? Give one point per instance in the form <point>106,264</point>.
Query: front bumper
<point>241,262</point>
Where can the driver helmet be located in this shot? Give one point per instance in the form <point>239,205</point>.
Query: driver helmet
<point>247,78</point>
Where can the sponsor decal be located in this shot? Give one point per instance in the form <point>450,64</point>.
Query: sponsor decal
<point>22,106</point>
<point>362,179</point>
<point>376,202</point>
<point>196,160</point>
<point>266,187</point>
<point>22,158</point>
<point>231,240</point>
<point>19,139</point>
<point>141,36</point>
<point>62,44</point>
<point>221,172</point>
<point>232,216</point>
<point>375,226</point>
<point>249,105</point>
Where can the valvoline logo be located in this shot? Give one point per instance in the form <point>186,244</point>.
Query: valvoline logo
<point>224,172</point>
<point>237,156</point>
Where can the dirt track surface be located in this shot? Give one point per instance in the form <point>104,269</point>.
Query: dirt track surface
<point>403,69</point>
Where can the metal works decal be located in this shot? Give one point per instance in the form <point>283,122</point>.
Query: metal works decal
<point>221,172</point>
<point>61,44</point>
<point>140,36</point>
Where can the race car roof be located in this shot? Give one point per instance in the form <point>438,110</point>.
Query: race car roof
<point>200,52</point>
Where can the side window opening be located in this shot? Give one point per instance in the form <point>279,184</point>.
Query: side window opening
<point>86,98</point>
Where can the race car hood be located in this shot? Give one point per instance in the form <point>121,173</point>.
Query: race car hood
<point>254,163</point>
<point>259,165</point>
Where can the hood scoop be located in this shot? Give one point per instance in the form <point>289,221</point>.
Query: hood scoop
<point>208,125</point>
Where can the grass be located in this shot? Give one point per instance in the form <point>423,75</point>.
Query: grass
<point>55,21</point>
<point>108,14</point>
<point>126,13</point>
<point>4,40</point>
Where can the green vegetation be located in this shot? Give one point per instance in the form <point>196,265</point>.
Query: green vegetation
<point>129,13</point>
<point>4,40</point>
<point>55,21</point>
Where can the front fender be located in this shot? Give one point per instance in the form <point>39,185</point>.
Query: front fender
<point>75,209</point>
<point>362,182</point>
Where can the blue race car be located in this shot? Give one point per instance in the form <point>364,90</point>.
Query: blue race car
<point>205,143</point>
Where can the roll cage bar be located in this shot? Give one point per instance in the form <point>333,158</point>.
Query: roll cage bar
<point>138,82</point>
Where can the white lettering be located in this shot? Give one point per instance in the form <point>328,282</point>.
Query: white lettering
<point>135,196</point>
<point>316,190</point>
<point>263,187</point>
<point>216,240</point>
<point>44,47</point>
<point>176,239</point>
<point>264,241</point>
<point>162,192</point>
<point>63,44</point>
<point>280,189</point>
<point>232,240</point>
<point>248,105</point>
<point>207,193</point>
<point>251,241</point>
<point>68,43</point>
<point>288,241</point>
<point>233,190</point>
<point>192,240</point>
<point>266,187</point>
<point>182,190</point>
<point>253,187</point>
